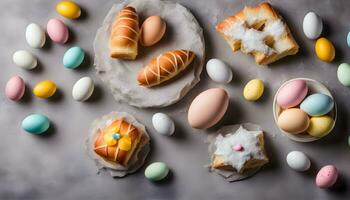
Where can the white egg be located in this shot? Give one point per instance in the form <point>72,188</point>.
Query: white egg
<point>163,124</point>
<point>218,71</point>
<point>298,161</point>
<point>24,59</point>
<point>312,25</point>
<point>35,36</point>
<point>83,89</point>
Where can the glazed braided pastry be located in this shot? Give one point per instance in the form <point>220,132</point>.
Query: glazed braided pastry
<point>165,67</point>
<point>125,34</point>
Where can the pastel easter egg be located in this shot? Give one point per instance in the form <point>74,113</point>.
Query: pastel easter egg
<point>208,108</point>
<point>15,88</point>
<point>324,50</point>
<point>73,57</point>
<point>293,120</point>
<point>35,35</point>
<point>44,89</point>
<point>298,161</point>
<point>292,93</point>
<point>152,30</point>
<point>312,25</point>
<point>317,104</point>
<point>156,171</point>
<point>57,31</point>
<point>253,90</point>
<point>320,126</point>
<point>348,39</point>
<point>327,176</point>
<point>218,71</point>
<point>24,59</point>
<point>68,9</point>
<point>343,74</point>
<point>36,123</point>
<point>83,89</point>
<point>163,124</point>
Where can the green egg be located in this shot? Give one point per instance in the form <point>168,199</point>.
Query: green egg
<point>36,123</point>
<point>156,171</point>
<point>73,57</point>
<point>343,74</point>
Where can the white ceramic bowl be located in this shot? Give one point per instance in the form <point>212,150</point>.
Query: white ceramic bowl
<point>314,87</point>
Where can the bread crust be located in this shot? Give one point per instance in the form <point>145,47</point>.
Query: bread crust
<point>123,42</point>
<point>165,67</point>
<point>257,17</point>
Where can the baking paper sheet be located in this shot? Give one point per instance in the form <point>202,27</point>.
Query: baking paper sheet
<point>183,32</point>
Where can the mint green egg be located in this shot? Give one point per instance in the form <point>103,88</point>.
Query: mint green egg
<point>36,123</point>
<point>156,171</point>
<point>343,74</point>
<point>73,57</point>
<point>348,39</point>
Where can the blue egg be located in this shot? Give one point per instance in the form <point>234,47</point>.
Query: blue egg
<point>73,57</point>
<point>36,123</point>
<point>348,39</point>
<point>317,104</point>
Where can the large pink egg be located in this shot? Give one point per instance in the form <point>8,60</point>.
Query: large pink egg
<point>292,93</point>
<point>15,87</point>
<point>208,108</point>
<point>57,31</point>
<point>327,176</point>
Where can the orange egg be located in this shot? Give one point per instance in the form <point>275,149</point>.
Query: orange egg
<point>324,50</point>
<point>293,121</point>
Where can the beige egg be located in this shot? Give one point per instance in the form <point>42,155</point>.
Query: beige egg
<point>208,108</point>
<point>293,121</point>
<point>152,30</point>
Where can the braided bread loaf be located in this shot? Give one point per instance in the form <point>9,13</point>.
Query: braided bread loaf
<point>125,34</point>
<point>164,67</point>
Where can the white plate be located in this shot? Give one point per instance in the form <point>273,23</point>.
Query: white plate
<point>313,87</point>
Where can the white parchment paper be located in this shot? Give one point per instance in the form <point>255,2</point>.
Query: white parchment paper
<point>231,176</point>
<point>113,168</point>
<point>183,32</point>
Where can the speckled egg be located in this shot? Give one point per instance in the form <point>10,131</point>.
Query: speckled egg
<point>327,176</point>
<point>156,171</point>
<point>293,121</point>
<point>73,57</point>
<point>324,50</point>
<point>36,123</point>
<point>15,88</point>
<point>317,104</point>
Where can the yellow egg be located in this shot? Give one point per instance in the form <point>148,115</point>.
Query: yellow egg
<point>253,90</point>
<point>125,143</point>
<point>320,126</point>
<point>44,89</point>
<point>325,50</point>
<point>68,9</point>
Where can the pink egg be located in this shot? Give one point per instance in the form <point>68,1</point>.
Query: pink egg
<point>15,87</point>
<point>57,31</point>
<point>208,108</point>
<point>327,176</point>
<point>292,93</point>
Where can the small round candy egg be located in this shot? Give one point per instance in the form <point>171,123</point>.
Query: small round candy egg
<point>15,88</point>
<point>68,9</point>
<point>36,123</point>
<point>44,89</point>
<point>156,171</point>
<point>298,161</point>
<point>24,59</point>
<point>218,71</point>
<point>324,50</point>
<point>163,124</point>
<point>327,176</point>
<point>83,89</point>
<point>73,57</point>
<point>57,31</point>
<point>253,90</point>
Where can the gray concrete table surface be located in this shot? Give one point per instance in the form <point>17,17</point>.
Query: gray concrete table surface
<point>55,165</point>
